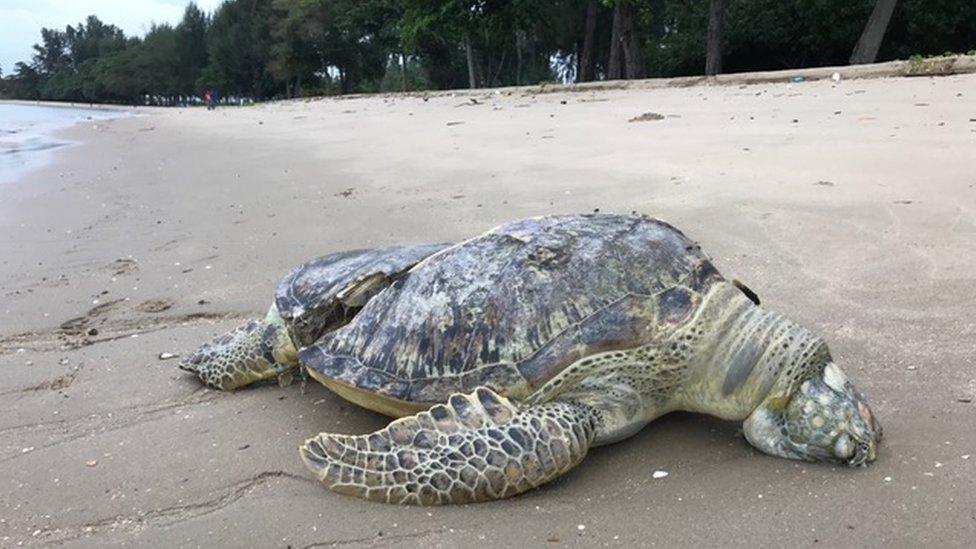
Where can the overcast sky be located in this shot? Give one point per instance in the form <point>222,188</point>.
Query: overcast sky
<point>21,20</point>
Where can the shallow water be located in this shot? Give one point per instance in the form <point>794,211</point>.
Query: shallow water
<point>26,134</point>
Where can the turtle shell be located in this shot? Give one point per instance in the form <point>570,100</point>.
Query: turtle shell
<point>326,292</point>
<point>509,309</point>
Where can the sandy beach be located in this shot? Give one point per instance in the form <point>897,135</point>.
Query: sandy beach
<point>849,207</point>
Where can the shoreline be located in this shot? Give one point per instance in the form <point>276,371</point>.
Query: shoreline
<point>68,105</point>
<point>32,137</point>
<point>847,207</point>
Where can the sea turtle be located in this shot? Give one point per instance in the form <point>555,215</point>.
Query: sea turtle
<point>509,355</point>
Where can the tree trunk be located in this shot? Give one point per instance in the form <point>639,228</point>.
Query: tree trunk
<point>615,69</point>
<point>519,44</point>
<point>716,28</point>
<point>403,71</point>
<point>587,59</point>
<point>577,59</point>
<point>633,61</point>
<point>469,54</point>
<point>498,71</point>
<point>866,50</point>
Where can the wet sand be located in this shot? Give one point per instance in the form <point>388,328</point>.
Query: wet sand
<point>848,207</point>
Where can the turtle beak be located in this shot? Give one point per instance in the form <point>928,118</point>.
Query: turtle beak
<point>187,366</point>
<point>866,448</point>
<point>855,454</point>
<point>860,449</point>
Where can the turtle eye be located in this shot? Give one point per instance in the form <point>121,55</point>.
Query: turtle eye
<point>862,454</point>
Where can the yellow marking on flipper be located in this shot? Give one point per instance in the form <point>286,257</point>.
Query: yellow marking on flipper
<point>376,402</point>
<point>778,404</point>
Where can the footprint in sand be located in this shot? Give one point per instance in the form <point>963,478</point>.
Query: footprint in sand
<point>155,305</point>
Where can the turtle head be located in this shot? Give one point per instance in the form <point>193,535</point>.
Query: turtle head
<point>257,350</point>
<point>825,419</point>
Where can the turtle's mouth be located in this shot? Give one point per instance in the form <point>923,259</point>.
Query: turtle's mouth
<point>862,455</point>
<point>856,451</point>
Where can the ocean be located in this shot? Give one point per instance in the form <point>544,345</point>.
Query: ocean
<point>26,134</point>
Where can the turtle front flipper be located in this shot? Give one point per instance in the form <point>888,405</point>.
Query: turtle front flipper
<point>259,349</point>
<point>477,447</point>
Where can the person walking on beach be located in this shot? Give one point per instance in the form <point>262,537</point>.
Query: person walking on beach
<point>206,100</point>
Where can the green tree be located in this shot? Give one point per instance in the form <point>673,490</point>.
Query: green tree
<point>51,54</point>
<point>240,50</point>
<point>25,82</point>
<point>191,48</point>
<point>92,39</point>
<point>352,40</point>
<point>271,48</point>
<point>490,43</point>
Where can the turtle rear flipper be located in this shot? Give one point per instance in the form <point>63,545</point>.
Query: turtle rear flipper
<point>477,447</point>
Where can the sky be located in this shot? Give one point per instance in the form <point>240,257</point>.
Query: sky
<point>21,20</point>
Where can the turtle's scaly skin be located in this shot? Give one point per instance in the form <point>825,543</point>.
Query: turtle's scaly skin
<point>254,351</point>
<point>485,447</point>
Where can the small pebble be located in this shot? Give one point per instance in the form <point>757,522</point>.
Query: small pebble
<point>167,356</point>
<point>91,463</point>
<point>659,474</point>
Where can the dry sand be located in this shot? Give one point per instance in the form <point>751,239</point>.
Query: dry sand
<point>848,207</point>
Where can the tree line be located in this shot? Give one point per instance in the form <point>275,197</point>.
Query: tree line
<point>262,49</point>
